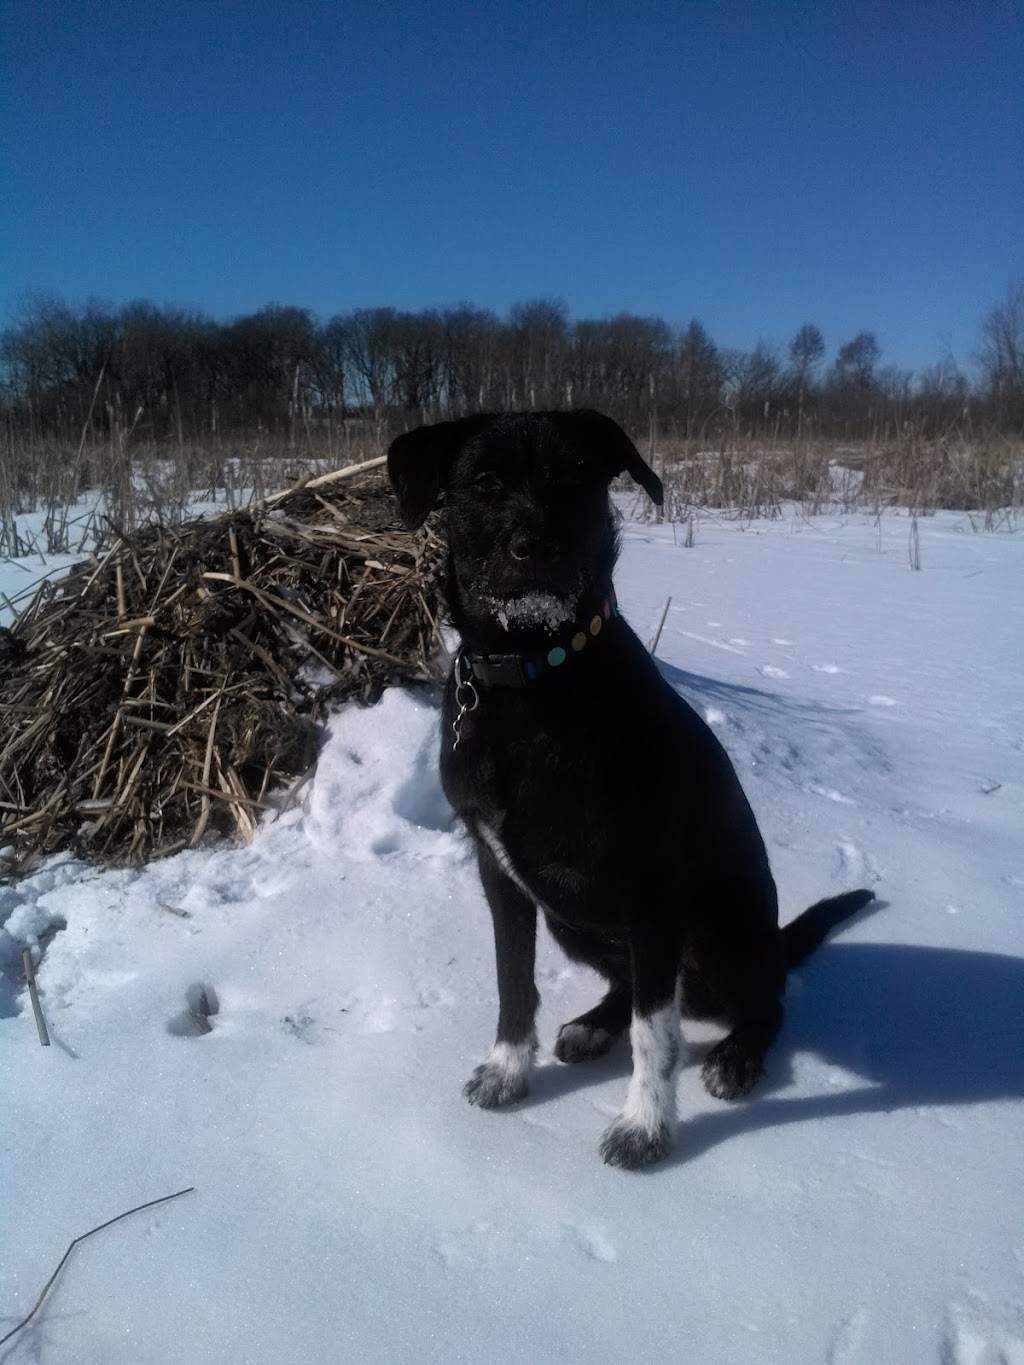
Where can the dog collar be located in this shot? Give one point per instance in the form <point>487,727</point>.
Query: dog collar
<point>529,670</point>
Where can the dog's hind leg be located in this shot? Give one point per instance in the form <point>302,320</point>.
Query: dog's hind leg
<point>502,1078</point>
<point>750,992</point>
<point>594,1033</point>
<point>734,1066</point>
<point>699,1001</point>
<point>645,1129</point>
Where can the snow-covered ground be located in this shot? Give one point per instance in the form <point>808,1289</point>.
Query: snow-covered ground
<point>865,1205</point>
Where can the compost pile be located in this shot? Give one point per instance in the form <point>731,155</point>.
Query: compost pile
<point>170,689</point>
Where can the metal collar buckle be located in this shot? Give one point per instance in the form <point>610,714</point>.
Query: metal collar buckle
<point>467,698</point>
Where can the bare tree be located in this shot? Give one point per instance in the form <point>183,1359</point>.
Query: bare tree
<point>329,364</point>
<point>418,340</point>
<point>372,342</point>
<point>471,344</point>
<point>1002,353</point>
<point>701,375</point>
<point>539,335</point>
<point>754,383</point>
<point>806,352</point>
<point>856,361</point>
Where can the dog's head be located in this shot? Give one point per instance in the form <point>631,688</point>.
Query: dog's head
<point>526,511</point>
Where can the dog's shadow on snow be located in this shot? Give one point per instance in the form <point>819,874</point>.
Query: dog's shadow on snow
<point>802,740</point>
<point>919,1027</point>
<point>698,688</point>
<point>909,1027</point>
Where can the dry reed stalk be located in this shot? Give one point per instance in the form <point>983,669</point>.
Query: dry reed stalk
<point>37,1009</point>
<point>92,1231</point>
<point>350,471</point>
<point>661,626</point>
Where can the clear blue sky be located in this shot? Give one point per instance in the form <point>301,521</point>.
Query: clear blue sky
<point>754,165</point>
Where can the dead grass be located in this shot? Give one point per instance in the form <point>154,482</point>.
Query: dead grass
<point>755,478</point>
<point>128,483</point>
<point>171,686</point>
<point>133,484</point>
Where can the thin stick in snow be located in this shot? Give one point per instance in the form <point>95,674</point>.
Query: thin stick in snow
<point>109,1223</point>
<point>915,544</point>
<point>661,624</point>
<point>37,1009</point>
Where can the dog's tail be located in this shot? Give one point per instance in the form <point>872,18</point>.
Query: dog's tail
<point>803,934</point>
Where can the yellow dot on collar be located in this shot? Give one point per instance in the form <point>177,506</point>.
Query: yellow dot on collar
<point>578,641</point>
<point>595,626</point>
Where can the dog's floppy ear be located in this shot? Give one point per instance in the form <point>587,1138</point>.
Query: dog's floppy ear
<point>621,455</point>
<point>418,464</point>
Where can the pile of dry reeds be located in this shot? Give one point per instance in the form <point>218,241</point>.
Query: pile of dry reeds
<point>169,688</point>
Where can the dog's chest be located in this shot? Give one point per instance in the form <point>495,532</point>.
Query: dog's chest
<point>504,755</point>
<point>536,795</point>
<point>544,863</point>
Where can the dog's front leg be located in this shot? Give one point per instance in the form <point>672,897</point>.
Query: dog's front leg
<point>502,1078</point>
<point>645,1129</point>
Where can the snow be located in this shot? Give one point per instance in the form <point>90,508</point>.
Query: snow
<point>533,608</point>
<point>865,1205</point>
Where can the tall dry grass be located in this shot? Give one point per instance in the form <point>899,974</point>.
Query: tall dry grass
<point>90,492</point>
<point>752,478</point>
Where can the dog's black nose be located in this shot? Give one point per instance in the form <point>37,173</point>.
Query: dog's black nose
<point>519,545</point>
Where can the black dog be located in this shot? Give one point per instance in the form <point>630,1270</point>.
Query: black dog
<point>589,786</point>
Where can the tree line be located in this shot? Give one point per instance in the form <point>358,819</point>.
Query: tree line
<point>69,373</point>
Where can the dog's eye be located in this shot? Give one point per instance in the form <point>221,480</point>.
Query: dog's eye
<point>487,482</point>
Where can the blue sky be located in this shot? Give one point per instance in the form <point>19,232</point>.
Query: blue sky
<point>756,166</point>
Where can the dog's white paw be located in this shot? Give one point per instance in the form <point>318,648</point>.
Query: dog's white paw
<point>632,1146</point>
<point>502,1078</point>
<point>490,1087</point>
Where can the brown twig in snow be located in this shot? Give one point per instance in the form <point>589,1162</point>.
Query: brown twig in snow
<point>37,1009</point>
<point>661,625</point>
<point>109,1223</point>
